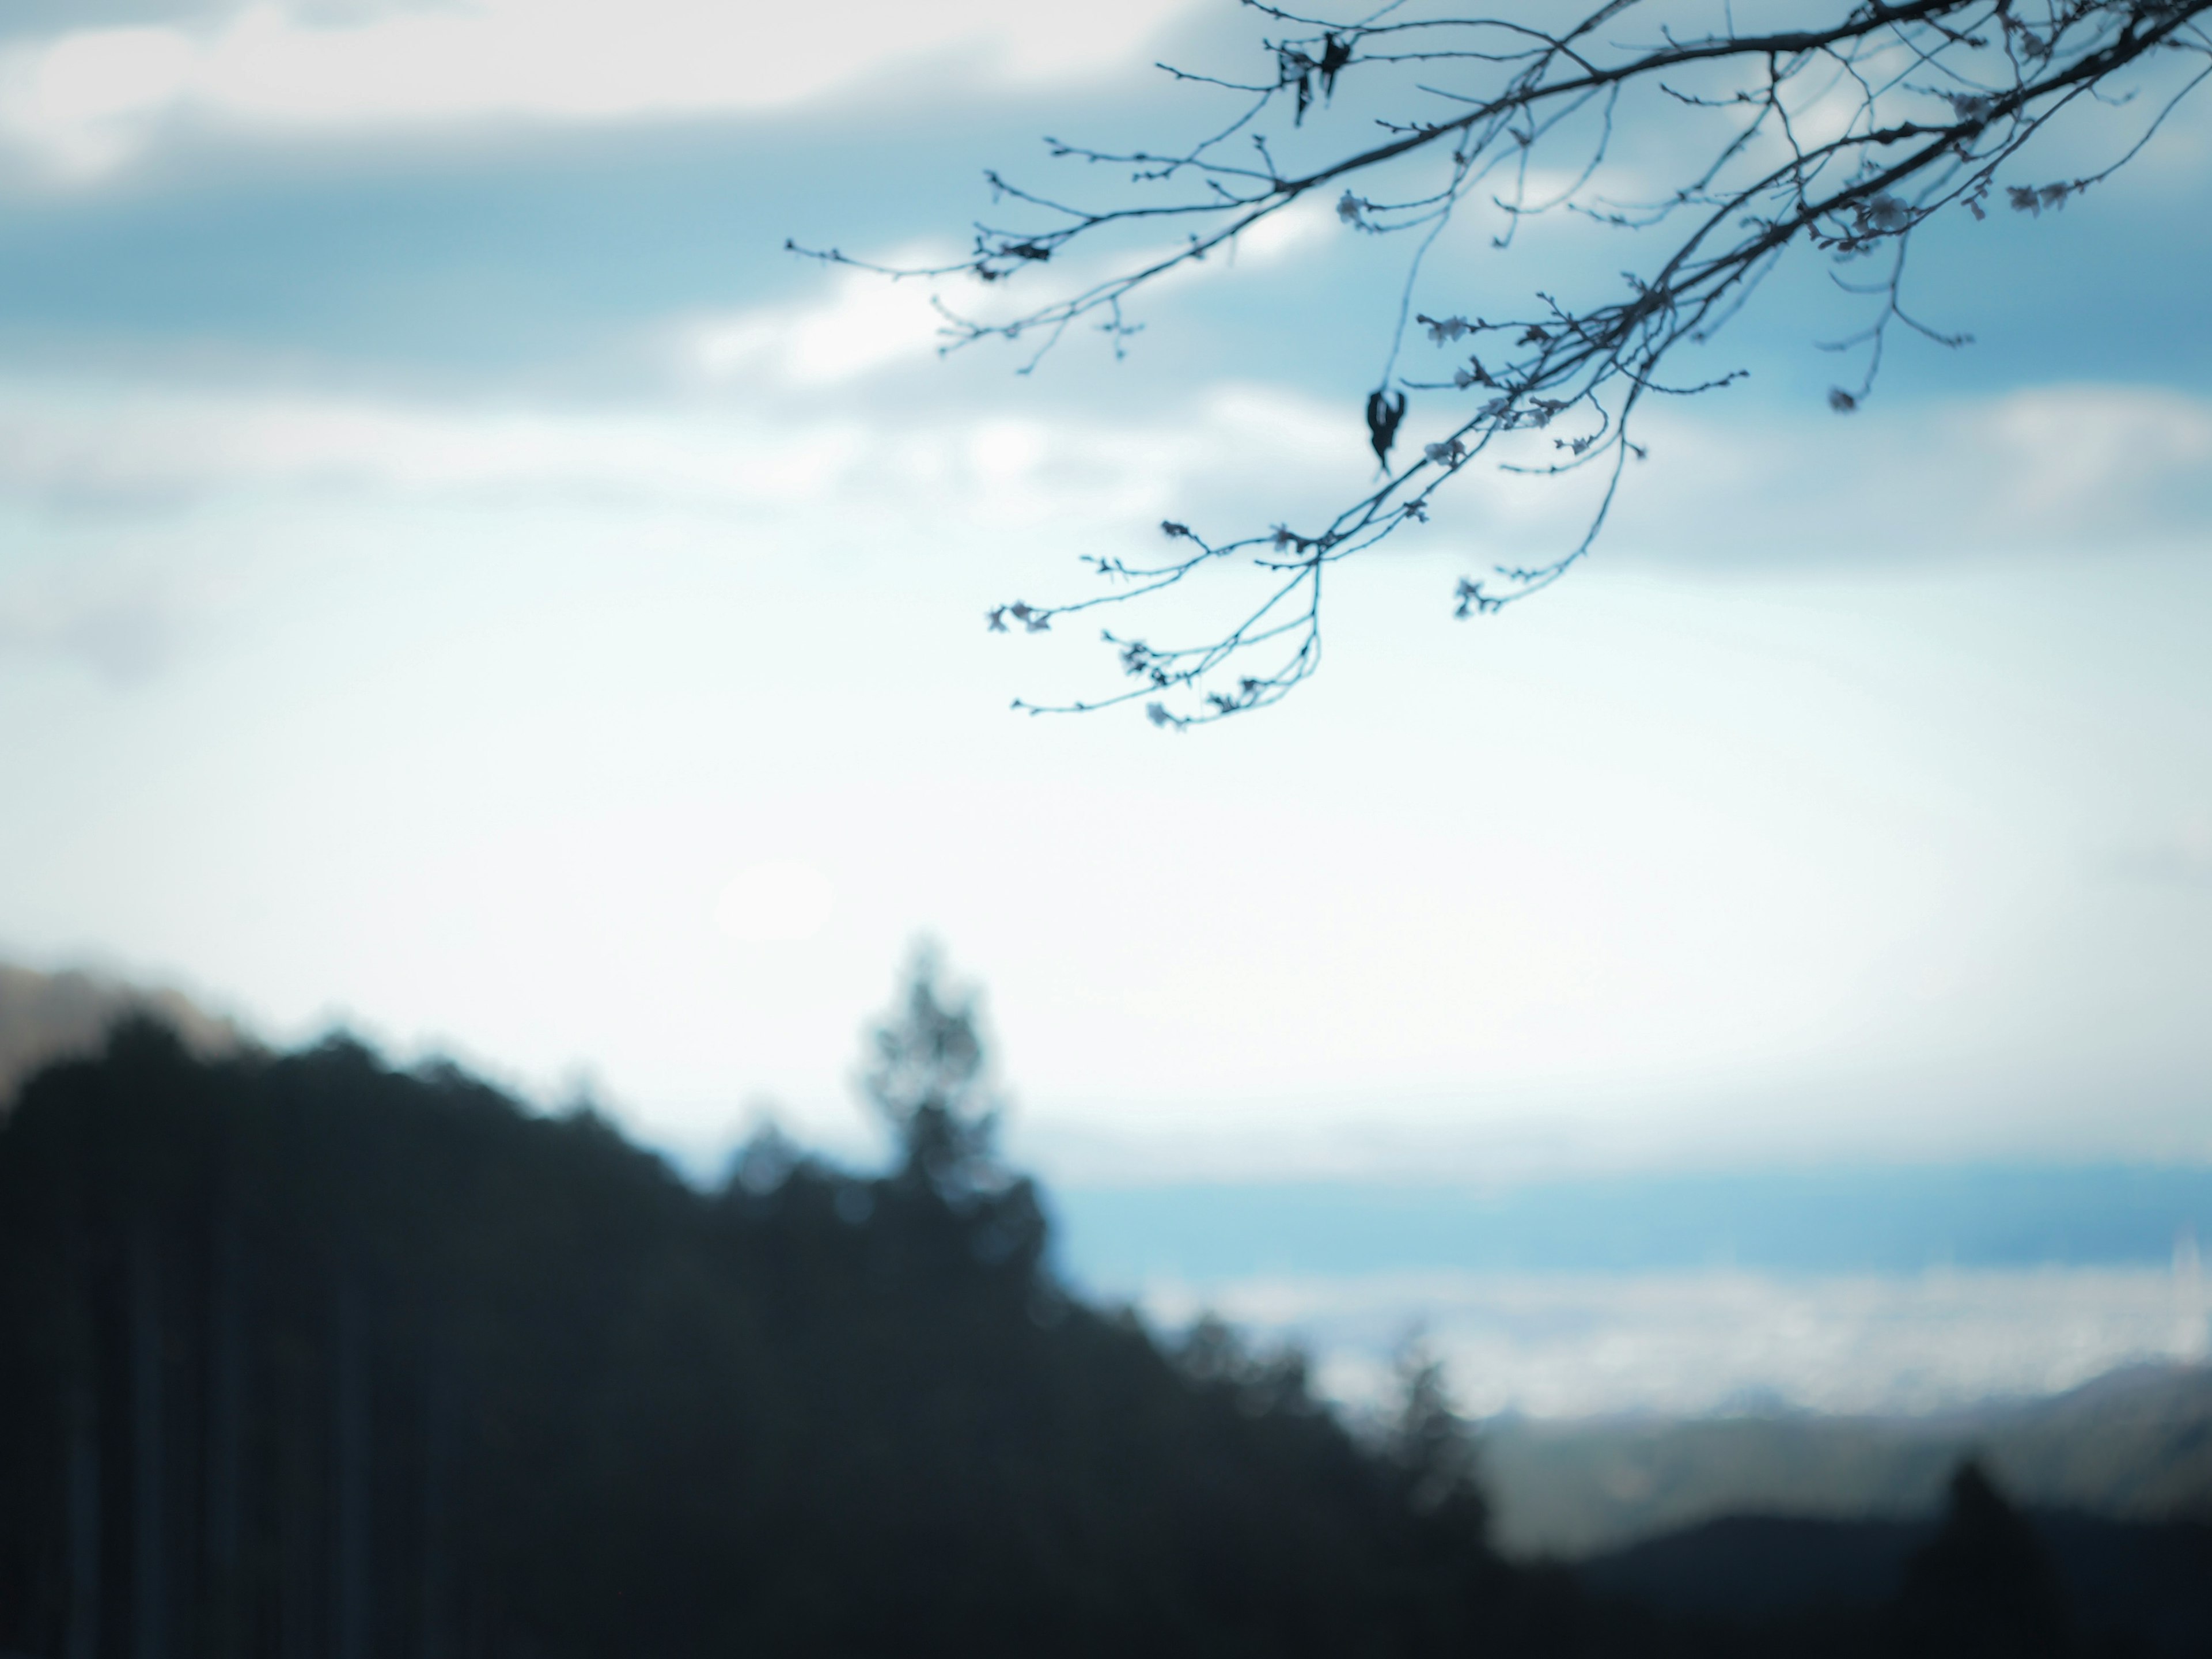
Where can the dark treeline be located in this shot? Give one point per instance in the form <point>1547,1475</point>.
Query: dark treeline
<point>309,1358</point>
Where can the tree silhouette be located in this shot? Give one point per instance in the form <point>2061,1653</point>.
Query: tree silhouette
<point>1837,128</point>
<point>929,1078</point>
<point>1983,1588</point>
<point>1433,1443</point>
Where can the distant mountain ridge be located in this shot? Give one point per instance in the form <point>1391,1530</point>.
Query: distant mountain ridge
<point>2134,1446</point>
<point>63,1015</point>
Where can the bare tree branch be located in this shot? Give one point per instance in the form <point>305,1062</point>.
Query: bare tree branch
<point>1843,138</point>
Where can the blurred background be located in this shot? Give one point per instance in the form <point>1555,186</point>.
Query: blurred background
<point>461,580</point>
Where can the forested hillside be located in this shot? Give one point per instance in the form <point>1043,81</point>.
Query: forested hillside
<point>310,1355</point>
<point>310,1358</point>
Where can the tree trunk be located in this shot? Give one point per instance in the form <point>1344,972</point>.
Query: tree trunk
<point>84,1519</point>
<point>299,1522</point>
<point>81,1427</point>
<point>225,1413</point>
<point>350,1587</point>
<point>437,1410</point>
<point>149,1536</point>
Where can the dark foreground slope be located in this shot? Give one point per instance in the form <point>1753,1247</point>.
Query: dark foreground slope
<point>2122,1587</point>
<point>301,1357</point>
<point>306,1357</point>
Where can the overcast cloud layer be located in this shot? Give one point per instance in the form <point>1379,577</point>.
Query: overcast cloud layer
<point>459,575</point>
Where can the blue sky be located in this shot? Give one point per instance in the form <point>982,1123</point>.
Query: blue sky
<point>460,576</point>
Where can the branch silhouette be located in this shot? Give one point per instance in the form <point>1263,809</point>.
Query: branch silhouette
<point>1843,139</point>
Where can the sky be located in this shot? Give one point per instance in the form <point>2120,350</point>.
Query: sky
<point>462,579</point>
<point>1896,1290</point>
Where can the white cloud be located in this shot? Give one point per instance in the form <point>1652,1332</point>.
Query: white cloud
<point>1584,1344</point>
<point>2081,459</point>
<point>87,99</point>
<point>864,323</point>
<point>73,445</point>
<point>2082,468</point>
